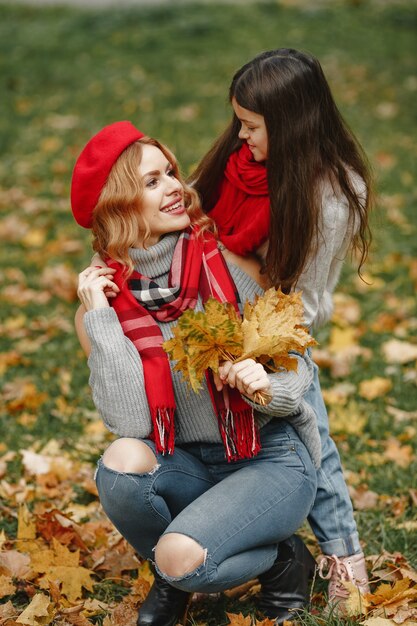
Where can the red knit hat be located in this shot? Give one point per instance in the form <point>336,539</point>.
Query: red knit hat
<point>93,167</point>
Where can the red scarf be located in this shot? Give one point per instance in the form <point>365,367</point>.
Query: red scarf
<point>197,267</point>
<point>242,210</point>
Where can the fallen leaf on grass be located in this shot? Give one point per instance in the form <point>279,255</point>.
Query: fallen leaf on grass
<point>7,588</point>
<point>7,611</point>
<point>125,614</point>
<point>239,619</point>
<point>356,603</point>
<point>340,361</point>
<point>401,455</point>
<point>40,611</point>
<point>374,387</point>
<point>400,415</point>
<point>34,238</point>
<point>59,565</point>
<point>26,531</point>
<point>349,419</point>
<point>339,394</point>
<point>396,351</point>
<point>9,359</point>
<point>392,597</point>
<point>34,463</point>
<point>363,498</point>
<point>15,564</point>
<point>21,394</point>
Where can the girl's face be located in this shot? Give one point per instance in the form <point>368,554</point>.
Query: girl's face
<point>253,131</point>
<point>163,195</point>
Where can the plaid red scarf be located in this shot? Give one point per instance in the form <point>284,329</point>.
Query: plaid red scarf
<point>197,267</point>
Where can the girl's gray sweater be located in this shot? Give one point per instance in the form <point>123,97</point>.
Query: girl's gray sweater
<point>117,376</point>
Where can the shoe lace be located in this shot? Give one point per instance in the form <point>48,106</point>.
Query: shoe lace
<point>338,572</point>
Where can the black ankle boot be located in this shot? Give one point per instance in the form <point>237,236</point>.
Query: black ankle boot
<point>285,587</point>
<point>164,605</point>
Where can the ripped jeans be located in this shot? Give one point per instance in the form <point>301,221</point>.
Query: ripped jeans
<point>238,512</point>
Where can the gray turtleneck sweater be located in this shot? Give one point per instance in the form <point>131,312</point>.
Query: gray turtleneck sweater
<point>117,376</point>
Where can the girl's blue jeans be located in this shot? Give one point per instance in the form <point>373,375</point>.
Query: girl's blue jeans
<point>331,517</point>
<point>238,512</point>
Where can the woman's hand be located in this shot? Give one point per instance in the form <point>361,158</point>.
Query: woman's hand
<point>95,286</point>
<point>247,376</point>
<point>97,262</point>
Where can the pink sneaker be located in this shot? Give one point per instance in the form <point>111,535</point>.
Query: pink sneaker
<point>342,569</point>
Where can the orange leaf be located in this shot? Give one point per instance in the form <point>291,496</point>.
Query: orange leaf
<point>390,597</point>
<point>401,455</point>
<point>239,620</point>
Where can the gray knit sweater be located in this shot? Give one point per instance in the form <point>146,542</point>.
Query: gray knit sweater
<point>117,376</point>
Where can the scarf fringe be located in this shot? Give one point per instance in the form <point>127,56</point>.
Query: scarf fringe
<point>163,432</point>
<point>239,433</point>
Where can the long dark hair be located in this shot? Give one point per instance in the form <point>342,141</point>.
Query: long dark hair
<point>308,142</point>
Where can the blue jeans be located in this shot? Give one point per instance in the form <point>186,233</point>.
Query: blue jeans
<point>238,512</point>
<point>331,517</point>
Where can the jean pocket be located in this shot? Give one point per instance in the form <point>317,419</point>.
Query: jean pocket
<point>285,449</point>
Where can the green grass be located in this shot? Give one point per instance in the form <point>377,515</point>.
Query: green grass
<point>66,73</point>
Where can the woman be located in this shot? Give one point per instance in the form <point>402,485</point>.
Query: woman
<point>184,489</point>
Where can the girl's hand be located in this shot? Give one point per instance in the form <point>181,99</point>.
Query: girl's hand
<point>94,285</point>
<point>247,376</point>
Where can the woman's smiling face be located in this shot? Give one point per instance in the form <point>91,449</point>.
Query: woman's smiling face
<point>162,201</point>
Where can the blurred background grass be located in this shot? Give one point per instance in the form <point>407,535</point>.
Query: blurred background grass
<point>67,72</point>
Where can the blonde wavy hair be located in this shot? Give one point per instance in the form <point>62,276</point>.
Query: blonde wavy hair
<point>117,219</point>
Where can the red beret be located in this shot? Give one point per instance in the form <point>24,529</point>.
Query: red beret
<point>93,167</point>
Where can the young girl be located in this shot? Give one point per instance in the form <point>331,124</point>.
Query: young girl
<point>288,181</point>
<point>211,487</point>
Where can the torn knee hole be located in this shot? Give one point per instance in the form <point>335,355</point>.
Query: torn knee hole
<point>130,456</point>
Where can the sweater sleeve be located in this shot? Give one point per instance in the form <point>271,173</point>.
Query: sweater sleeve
<point>287,390</point>
<point>116,376</point>
<point>321,274</point>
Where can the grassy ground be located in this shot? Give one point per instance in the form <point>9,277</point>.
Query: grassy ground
<point>66,73</point>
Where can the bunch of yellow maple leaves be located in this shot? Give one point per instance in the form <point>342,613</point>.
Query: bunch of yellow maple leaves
<point>271,328</point>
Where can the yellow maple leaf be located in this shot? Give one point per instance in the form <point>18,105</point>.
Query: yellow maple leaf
<point>356,604</point>
<point>61,566</point>
<point>202,340</point>
<point>40,611</point>
<point>43,560</point>
<point>72,580</point>
<point>272,327</point>
<point>389,597</point>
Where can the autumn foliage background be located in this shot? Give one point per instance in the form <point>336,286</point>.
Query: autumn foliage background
<point>64,74</point>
